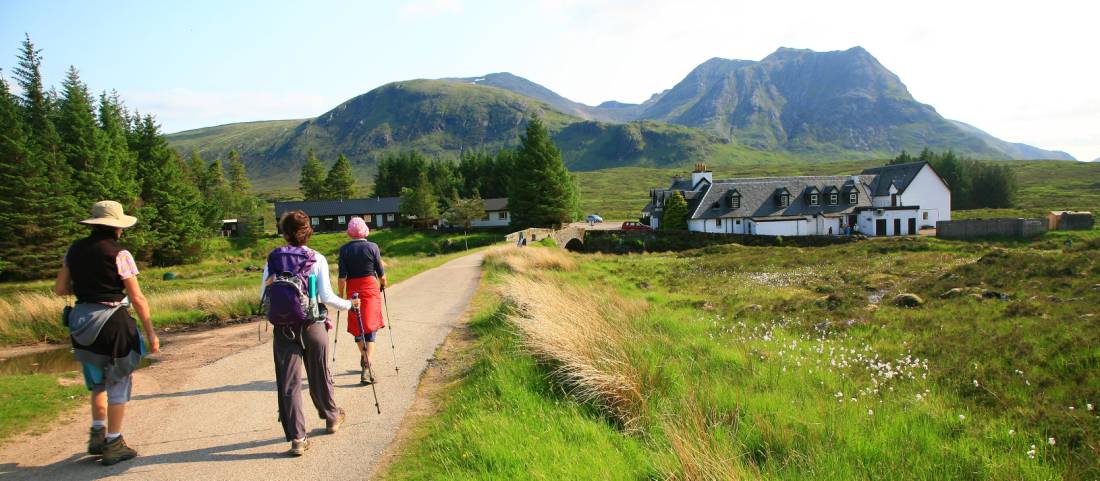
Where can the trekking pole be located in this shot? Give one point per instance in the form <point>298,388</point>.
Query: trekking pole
<point>389,326</point>
<point>363,336</point>
<point>335,337</point>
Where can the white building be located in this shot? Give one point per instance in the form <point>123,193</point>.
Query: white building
<point>883,201</point>
<point>496,214</point>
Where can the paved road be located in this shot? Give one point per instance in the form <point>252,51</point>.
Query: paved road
<point>223,422</point>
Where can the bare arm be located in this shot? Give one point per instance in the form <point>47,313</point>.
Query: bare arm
<point>341,285</point>
<point>63,286</point>
<point>141,305</point>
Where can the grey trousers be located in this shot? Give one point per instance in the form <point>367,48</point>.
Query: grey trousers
<point>292,347</point>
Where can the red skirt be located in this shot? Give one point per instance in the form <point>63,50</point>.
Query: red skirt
<point>370,304</point>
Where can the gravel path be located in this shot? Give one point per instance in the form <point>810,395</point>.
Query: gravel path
<point>221,422</point>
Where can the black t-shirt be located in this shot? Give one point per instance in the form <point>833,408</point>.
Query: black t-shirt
<point>360,258</point>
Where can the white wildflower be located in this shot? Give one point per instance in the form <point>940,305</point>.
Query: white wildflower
<point>962,417</point>
<point>1011,432</point>
<point>1050,441</point>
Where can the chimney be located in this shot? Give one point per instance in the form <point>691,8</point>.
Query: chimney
<point>700,173</point>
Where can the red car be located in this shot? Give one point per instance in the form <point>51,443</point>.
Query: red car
<point>636,226</point>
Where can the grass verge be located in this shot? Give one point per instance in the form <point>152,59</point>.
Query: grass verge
<point>29,402</point>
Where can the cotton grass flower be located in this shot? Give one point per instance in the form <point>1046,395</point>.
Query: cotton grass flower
<point>1089,406</point>
<point>962,417</point>
<point>1031,452</point>
<point>1051,441</point>
<point>1011,432</point>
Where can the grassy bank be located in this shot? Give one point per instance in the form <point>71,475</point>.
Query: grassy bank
<point>29,401</point>
<point>739,362</point>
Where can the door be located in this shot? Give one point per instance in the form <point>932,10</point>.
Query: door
<point>378,220</point>
<point>912,226</point>
<point>880,227</point>
<point>897,226</point>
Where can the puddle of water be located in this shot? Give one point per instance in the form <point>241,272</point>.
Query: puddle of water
<point>46,362</point>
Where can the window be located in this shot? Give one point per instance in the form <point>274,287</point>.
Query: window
<point>314,221</point>
<point>833,199</point>
<point>813,199</point>
<point>502,215</point>
<point>784,200</point>
<point>925,215</point>
<point>717,222</point>
<point>853,198</point>
<point>738,222</point>
<point>341,220</point>
<point>389,217</point>
<point>735,202</point>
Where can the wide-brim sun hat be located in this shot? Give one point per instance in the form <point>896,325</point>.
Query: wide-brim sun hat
<point>110,214</point>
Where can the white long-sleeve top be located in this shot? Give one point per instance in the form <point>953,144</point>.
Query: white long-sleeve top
<point>324,284</point>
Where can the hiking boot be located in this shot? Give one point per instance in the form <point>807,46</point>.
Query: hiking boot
<point>97,439</point>
<point>298,448</point>
<point>116,451</point>
<point>332,426</point>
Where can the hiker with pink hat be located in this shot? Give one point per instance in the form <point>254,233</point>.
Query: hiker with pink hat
<point>361,271</point>
<point>105,339</point>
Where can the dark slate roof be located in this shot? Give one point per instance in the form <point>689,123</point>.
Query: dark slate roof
<point>493,205</point>
<point>901,175</point>
<point>315,208</point>
<point>758,197</point>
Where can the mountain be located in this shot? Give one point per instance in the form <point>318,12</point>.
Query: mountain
<point>792,105</point>
<point>1015,150</point>
<point>445,118</point>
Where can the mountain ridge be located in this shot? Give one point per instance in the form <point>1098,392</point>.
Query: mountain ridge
<point>792,104</point>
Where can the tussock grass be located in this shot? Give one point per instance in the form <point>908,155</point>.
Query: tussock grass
<point>585,342</point>
<point>38,316</point>
<point>529,259</point>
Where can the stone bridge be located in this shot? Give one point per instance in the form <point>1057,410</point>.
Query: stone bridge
<point>570,237</point>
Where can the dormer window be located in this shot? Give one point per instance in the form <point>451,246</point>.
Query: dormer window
<point>853,197</point>
<point>814,199</point>
<point>784,200</point>
<point>833,198</point>
<point>733,199</point>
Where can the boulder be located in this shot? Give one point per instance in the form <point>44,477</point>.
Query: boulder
<point>953,292</point>
<point>908,300</point>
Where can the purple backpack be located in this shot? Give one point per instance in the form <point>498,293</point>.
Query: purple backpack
<point>287,300</point>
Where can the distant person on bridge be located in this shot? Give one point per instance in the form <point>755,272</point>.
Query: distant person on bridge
<point>105,339</point>
<point>301,328</point>
<point>362,271</point>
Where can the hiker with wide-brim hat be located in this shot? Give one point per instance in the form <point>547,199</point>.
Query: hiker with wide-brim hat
<point>301,338</point>
<point>103,277</point>
<point>361,272</point>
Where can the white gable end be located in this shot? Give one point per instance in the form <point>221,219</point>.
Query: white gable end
<point>931,193</point>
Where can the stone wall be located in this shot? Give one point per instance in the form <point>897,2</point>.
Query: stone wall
<point>977,228</point>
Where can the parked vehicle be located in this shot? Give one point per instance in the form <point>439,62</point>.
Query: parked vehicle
<point>636,226</point>
<point>594,218</point>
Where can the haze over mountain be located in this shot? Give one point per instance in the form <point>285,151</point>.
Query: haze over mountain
<point>793,104</point>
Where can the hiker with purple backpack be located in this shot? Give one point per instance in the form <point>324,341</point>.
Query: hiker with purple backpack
<point>296,288</point>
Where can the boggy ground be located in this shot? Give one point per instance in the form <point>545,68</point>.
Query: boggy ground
<point>739,362</point>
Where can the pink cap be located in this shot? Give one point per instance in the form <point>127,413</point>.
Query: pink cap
<point>357,228</point>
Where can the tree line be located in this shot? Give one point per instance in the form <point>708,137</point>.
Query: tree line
<point>60,152</point>
<point>338,184</point>
<point>533,177</point>
<point>973,184</point>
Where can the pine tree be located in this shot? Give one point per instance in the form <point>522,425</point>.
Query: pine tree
<point>172,206</point>
<point>83,144</point>
<point>114,123</point>
<point>196,172</point>
<point>218,196</point>
<point>340,182</point>
<point>244,205</point>
<point>55,215</point>
<point>20,176</point>
<point>311,183</point>
<point>674,216</point>
<point>542,192</point>
<point>238,175</point>
<point>419,203</point>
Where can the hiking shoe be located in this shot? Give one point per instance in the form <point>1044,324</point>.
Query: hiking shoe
<point>97,439</point>
<point>365,378</point>
<point>298,448</point>
<point>116,451</point>
<point>332,426</point>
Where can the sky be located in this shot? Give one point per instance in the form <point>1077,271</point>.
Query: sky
<point>1023,71</point>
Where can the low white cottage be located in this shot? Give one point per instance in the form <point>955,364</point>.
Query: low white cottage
<point>891,200</point>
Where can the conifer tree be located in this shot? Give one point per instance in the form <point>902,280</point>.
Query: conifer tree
<point>340,183</point>
<point>218,196</point>
<point>114,123</point>
<point>20,175</point>
<point>244,205</point>
<point>238,175</point>
<point>311,183</point>
<point>674,216</point>
<point>82,144</point>
<point>542,192</point>
<point>57,212</point>
<point>419,203</point>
